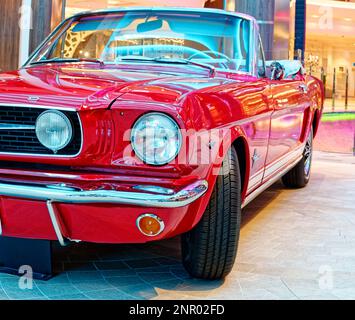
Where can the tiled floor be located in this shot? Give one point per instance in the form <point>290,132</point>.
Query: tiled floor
<point>295,244</point>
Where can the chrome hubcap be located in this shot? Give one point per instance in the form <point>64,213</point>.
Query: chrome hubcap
<point>308,156</point>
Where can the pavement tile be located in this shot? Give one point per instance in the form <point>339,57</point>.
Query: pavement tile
<point>143,263</point>
<point>168,261</point>
<point>65,297</point>
<point>111,265</point>
<point>53,290</point>
<point>3,295</point>
<point>141,291</point>
<point>118,273</point>
<point>79,266</point>
<point>18,294</point>
<point>84,276</point>
<point>120,282</point>
<point>157,277</point>
<point>87,286</point>
<point>108,294</point>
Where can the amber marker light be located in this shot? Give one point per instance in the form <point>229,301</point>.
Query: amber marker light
<point>150,225</point>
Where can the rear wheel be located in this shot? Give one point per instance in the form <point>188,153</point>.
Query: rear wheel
<point>300,175</point>
<point>209,250</point>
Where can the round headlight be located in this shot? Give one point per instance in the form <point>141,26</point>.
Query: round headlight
<point>156,139</point>
<point>54,130</point>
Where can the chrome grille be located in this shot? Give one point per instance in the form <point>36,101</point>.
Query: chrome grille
<point>17,132</point>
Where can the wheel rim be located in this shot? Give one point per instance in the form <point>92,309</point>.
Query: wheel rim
<point>308,151</point>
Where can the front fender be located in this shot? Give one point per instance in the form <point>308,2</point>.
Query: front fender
<point>236,139</point>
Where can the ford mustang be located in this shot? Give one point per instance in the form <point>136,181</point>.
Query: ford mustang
<point>136,125</point>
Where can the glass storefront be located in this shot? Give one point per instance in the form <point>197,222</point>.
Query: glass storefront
<point>330,48</point>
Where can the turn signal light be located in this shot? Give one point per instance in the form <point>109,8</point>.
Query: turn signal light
<point>150,225</point>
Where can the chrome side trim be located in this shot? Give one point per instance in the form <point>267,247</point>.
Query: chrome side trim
<point>255,180</point>
<point>36,106</point>
<point>249,120</point>
<point>43,193</point>
<point>45,155</point>
<point>269,183</point>
<point>52,210</point>
<point>283,161</point>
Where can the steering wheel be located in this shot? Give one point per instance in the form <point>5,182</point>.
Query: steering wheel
<point>217,54</point>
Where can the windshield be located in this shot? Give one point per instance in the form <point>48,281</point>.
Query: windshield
<point>221,41</point>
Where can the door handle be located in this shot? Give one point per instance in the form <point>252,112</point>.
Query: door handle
<point>303,87</point>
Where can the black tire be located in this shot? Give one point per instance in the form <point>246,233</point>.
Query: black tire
<point>300,175</point>
<point>210,249</point>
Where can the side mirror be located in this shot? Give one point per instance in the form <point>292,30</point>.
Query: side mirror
<point>277,71</point>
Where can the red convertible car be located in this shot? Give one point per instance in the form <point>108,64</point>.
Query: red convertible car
<point>136,125</point>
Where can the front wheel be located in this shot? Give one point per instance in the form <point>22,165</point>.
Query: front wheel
<point>209,250</point>
<point>300,175</point>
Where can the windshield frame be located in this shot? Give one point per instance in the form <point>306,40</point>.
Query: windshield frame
<point>253,32</point>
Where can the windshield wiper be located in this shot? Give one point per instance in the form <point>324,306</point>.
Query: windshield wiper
<point>172,61</point>
<point>186,61</point>
<point>63,60</point>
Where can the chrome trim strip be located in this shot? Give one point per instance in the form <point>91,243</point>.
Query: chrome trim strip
<point>154,189</point>
<point>276,165</point>
<point>252,49</point>
<point>45,155</point>
<point>255,180</point>
<point>165,9</point>
<point>281,162</point>
<point>42,193</point>
<point>37,106</point>
<point>57,229</point>
<point>269,183</point>
<point>255,118</point>
<point>11,126</point>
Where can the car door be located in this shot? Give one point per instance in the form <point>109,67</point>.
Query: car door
<point>290,101</point>
<point>258,130</point>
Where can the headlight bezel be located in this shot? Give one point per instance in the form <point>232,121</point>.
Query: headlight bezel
<point>68,123</point>
<point>178,132</point>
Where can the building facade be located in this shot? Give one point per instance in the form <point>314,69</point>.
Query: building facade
<point>330,46</point>
<point>24,25</point>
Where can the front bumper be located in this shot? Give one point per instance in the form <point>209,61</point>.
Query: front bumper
<point>70,195</point>
<point>88,215</point>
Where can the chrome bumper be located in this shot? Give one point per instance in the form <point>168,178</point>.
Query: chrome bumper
<point>142,199</point>
<point>62,194</point>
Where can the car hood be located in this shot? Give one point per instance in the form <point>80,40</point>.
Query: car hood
<point>73,86</point>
